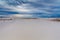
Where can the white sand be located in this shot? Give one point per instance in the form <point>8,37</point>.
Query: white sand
<point>30,29</point>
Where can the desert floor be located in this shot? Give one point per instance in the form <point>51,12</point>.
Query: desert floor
<point>29,29</point>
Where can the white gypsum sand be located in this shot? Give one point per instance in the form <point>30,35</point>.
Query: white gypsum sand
<point>30,29</point>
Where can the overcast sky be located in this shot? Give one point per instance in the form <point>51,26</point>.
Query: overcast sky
<point>43,8</point>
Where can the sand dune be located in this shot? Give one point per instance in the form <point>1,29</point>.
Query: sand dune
<point>29,29</point>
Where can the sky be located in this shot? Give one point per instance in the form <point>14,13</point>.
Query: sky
<point>36,8</point>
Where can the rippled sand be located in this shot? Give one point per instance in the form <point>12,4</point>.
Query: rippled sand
<point>29,29</point>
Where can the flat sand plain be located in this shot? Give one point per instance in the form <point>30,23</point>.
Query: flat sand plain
<point>29,29</point>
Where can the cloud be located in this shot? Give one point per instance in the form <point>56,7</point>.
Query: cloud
<point>31,6</point>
